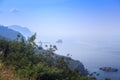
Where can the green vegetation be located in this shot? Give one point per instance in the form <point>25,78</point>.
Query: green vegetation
<point>19,59</point>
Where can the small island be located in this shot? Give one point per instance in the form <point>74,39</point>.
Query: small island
<point>108,69</point>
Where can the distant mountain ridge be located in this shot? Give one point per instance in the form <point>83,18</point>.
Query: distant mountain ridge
<point>23,30</point>
<point>9,34</point>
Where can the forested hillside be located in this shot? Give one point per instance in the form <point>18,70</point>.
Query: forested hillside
<point>19,61</point>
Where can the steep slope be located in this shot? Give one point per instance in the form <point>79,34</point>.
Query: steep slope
<point>76,65</point>
<point>73,64</point>
<point>23,30</point>
<point>7,33</point>
<point>20,59</point>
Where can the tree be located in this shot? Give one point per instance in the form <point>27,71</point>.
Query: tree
<point>20,57</point>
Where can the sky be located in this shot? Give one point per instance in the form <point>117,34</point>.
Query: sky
<point>63,18</point>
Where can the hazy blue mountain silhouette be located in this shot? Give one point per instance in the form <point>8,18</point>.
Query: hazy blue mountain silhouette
<point>12,32</point>
<point>9,34</point>
<point>23,30</point>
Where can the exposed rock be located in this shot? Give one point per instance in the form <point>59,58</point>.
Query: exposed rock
<point>108,69</point>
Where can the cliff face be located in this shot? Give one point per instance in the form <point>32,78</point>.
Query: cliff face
<point>76,65</point>
<point>73,64</point>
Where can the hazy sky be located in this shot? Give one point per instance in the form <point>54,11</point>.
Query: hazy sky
<point>63,18</point>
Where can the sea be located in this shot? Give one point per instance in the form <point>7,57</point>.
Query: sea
<point>94,52</point>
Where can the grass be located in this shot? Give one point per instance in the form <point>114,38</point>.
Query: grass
<point>7,74</point>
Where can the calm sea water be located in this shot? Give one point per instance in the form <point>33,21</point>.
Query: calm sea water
<point>94,53</point>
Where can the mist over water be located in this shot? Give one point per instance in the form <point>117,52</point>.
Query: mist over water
<point>94,52</point>
<point>89,29</point>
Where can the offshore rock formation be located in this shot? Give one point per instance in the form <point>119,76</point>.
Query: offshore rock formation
<point>108,69</point>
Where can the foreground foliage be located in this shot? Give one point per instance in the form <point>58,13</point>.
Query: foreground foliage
<point>19,56</point>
